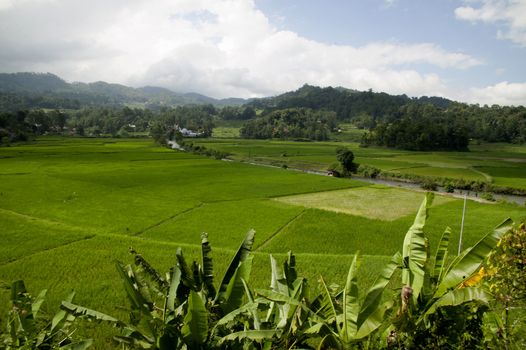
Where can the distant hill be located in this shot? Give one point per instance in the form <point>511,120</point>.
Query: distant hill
<point>46,90</point>
<point>347,103</point>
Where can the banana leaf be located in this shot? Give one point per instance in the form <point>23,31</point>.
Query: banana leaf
<point>174,284</point>
<point>80,311</point>
<point>248,308</point>
<point>241,255</point>
<point>251,335</point>
<point>351,305</point>
<point>80,345</point>
<point>374,320</point>
<point>415,250</point>
<point>150,270</point>
<point>277,297</point>
<point>61,314</point>
<point>324,305</point>
<point>459,296</point>
<point>471,260</point>
<point>368,319</point>
<point>290,269</point>
<point>138,300</point>
<point>441,255</point>
<point>254,311</point>
<point>195,326</point>
<point>232,297</point>
<point>187,275</point>
<point>37,302</point>
<point>278,281</point>
<point>208,267</point>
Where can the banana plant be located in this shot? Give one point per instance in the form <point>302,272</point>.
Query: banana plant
<point>341,320</point>
<point>430,284</point>
<point>175,311</point>
<point>286,300</point>
<point>270,318</point>
<point>28,329</point>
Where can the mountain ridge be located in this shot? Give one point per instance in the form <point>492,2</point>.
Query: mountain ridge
<point>31,86</point>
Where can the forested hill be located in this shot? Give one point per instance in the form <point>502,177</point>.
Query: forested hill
<point>347,103</point>
<point>423,123</point>
<point>20,91</point>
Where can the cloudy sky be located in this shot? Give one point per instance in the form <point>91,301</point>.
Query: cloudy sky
<point>470,50</point>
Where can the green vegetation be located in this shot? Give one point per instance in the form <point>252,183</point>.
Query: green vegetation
<point>507,282</point>
<point>387,115</point>
<point>420,128</point>
<point>442,302</point>
<point>70,207</point>
<point>500,167</point>
<point>292,123</point>
<point>375,202</point>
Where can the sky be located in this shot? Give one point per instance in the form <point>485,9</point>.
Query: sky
<point>468,50</point>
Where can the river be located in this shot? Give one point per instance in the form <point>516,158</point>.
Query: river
<point>476,196</point>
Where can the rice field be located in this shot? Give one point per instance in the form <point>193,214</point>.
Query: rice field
<point>501,164</point>
<point>70,207</point>
<point>374,202</point>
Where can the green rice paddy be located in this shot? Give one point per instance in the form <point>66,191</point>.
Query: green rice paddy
<point>503,165</point>
<point>374,202</point>
<point>70,207</point>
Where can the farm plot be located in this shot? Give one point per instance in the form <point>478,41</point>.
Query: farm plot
<point>375,202</point>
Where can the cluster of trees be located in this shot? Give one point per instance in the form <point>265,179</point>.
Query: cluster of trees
<point>421,128</point>
<point>436,302</point>
<point>169,121</point>
<point>22,125</point>
<point>492,123</point>
<point>237,113</point>
<point>291,123</point>
<point>96,121</point>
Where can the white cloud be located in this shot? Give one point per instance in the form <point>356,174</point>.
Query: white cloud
<point>503,93</point>
<point>389,3</point>
<point>221,48</point>
<point>510,14</point>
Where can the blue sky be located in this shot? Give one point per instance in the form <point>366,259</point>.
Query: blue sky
<point>351,22</point>
<point>469,50</point>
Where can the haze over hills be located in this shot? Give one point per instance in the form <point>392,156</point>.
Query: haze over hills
<point>46,90</point>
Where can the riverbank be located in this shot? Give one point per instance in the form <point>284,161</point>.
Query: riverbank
<point>471,195</point>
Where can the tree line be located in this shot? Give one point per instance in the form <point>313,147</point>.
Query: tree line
<point>369,110</point>
<point>98,121</point>
<point>420,128</point>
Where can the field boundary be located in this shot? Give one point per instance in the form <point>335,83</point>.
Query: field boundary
<point>43,221</point>
<point>138,233</point>
<point>279,230</point>
<point>486,176</point>
<point>45,250</point>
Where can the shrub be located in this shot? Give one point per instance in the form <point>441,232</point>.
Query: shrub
<point>487,196</point>
<point>429,185</point>
<point>368,171</point>
<point>449,188</point>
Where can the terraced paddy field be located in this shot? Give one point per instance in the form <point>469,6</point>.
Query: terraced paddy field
<point>70,207</point>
